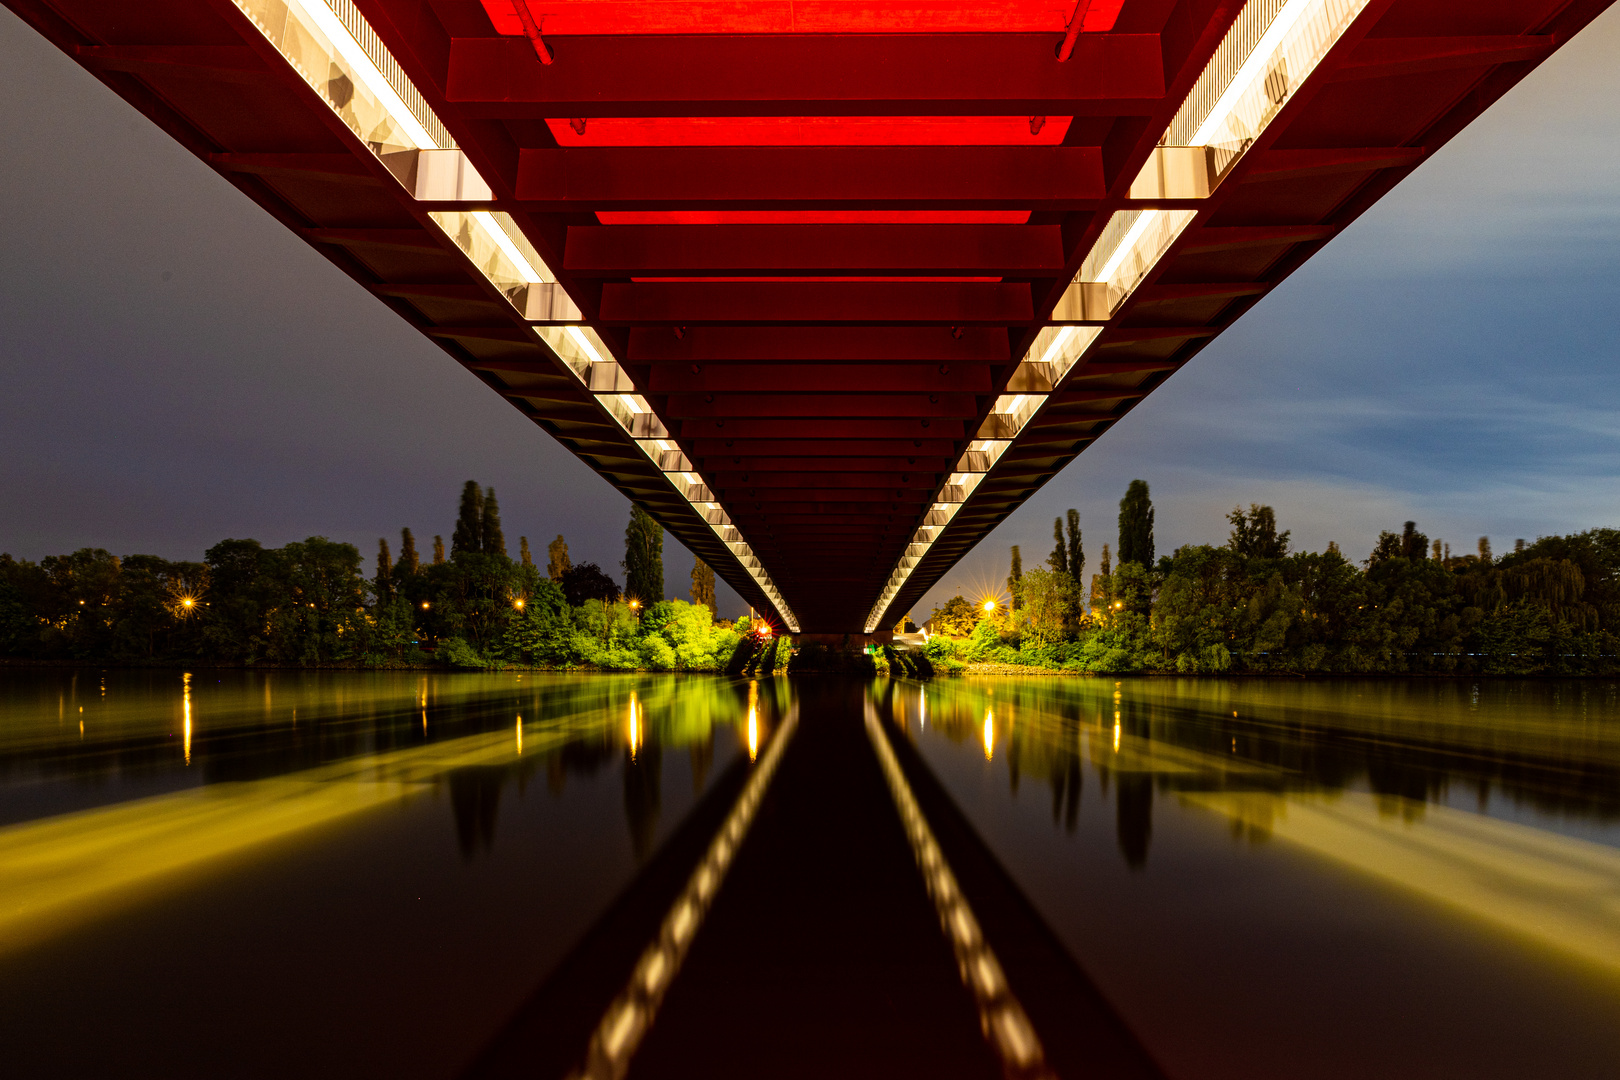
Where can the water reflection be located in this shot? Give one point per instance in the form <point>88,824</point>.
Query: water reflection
<point>1499,799</point>
<point>88,825</point>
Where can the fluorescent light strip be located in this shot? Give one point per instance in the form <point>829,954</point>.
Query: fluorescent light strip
<point>504,242</point>
<point>1057,344</point>
<point>1252,69</point>
<point>1126,243</point>
<point>353,55</point>
<point>585,343</point>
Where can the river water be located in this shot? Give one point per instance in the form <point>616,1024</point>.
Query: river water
<point>340,874</point>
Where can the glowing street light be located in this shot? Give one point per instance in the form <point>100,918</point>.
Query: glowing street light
<point>518,603</point>
<point>989,606</point>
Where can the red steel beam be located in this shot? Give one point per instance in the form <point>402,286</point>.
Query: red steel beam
<point>807,344</point>
<point>955,303</point>
<point>753,177</point>
<point>643,250</point>
<point>811,378</point>
<point>857,403</point>
<point>805,75</point>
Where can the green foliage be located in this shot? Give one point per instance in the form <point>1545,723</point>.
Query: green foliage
<point>1249,606</point>
<point>956,617</point>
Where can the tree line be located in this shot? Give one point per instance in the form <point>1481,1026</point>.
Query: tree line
<point>310,603</point>
<point>1253,605</point>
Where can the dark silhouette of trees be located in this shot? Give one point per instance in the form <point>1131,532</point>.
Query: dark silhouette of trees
<point>703,585</point>
<point>469,531</point>
<point>493,541</point>
<point>1255,535</point>
<point>557,564</point>
<point>1136,525</point>
<point>408,561</point>
<point>438,550</point>
<point>523,551</point>
<point>383,581</point>
<point>585,582</point>
<point>643,563</point>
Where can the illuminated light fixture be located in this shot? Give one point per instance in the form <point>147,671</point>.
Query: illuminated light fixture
<point>1056,348</point>
<point>361,65</point>
<point>509,249</point>
<point>1257,63</point>
<point>585,343</point>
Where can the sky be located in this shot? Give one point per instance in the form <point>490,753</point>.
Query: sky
<point>177,368</point>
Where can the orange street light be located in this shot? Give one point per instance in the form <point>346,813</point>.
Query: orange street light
<point>634,604</point>
<point>424,605</point>
<point>518,603</point>
<point>989,605</point>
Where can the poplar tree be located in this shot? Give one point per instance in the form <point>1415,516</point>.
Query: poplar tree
<point>523,551</point>
<point>1015,580</point>
<point>1484,549</point>
<point>493,540</point>
<point>557,563</point>
<point>703,586</point>
<point>1136,525</point>
<point>1077,547</point>
<point>1059,559</point>
<point>438,550</point>
<point>408,561</point>
<point>469,534</point>
<point>643,557</point>
<point>385,569</point>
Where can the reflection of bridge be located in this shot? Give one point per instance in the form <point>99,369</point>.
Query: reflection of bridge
<point>833,298</point>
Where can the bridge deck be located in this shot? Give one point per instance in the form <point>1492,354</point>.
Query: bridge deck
<point>829,289</point>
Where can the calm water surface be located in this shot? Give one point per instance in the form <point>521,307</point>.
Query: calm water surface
<point>257,874</point>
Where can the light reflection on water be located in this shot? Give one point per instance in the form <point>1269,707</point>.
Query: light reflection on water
<point>1261,874</point>
<point>197,807</point>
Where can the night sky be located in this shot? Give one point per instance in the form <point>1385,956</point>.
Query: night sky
<point>177,368</point>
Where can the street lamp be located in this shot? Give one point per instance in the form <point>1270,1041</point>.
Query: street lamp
<point>518,603</point>
<point>989,606</point>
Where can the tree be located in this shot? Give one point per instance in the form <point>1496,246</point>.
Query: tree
<point>1015,580</point>
<point>557,564</point>
<point>643,563</point>
<point>1046,604</point>
<point>408,561</point>
<point>1485,549</point>
<point>438,550</point>
<point>383,582</point>
<point>493,541</point>
<point>1102,589</point>
<point>703,586</point>
<point>1058,561</point>
<point>587,582</point>
<point>1076,546</point>
<point>956,617</point>
<point>1255,535</point>
<point>1136,525</point>
<point>469,534</point>
<point>523,551</point>
<point>1414,545</point>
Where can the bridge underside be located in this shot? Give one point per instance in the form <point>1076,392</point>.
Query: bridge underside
<point>829,289</point>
